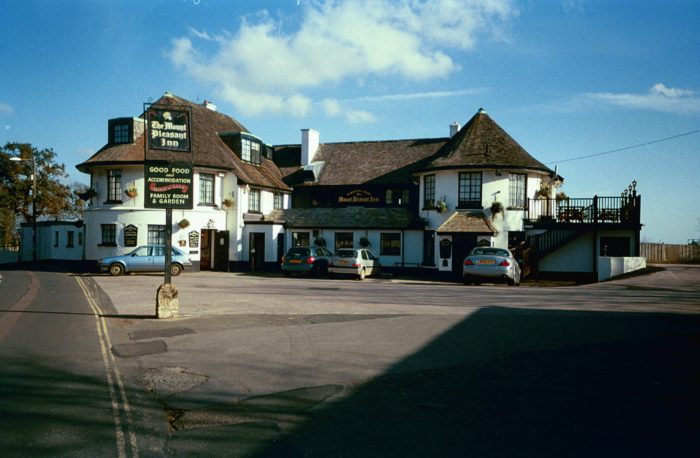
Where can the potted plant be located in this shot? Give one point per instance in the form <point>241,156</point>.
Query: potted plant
<point>441,206</point>
<point>183,223</point>
<point>228,202</point>
<point>131,190</point>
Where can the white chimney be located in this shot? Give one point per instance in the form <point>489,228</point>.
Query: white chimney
<point>454,128</point>
<point>208,104</point>
<point>309,145</point>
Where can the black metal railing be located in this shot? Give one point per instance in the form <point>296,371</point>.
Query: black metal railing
<point>588,210</point>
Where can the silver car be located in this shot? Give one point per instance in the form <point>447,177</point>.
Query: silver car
<point>490,265</point>
<point>146,258</point>
<point>359,263</point>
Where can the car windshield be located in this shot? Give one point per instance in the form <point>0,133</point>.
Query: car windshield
<point>346,254</point>
<point>299,251</point>
<point>490,252</point>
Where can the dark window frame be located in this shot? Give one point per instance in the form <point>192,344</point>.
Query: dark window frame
<point>109,234</point>
<point>114,186</point>
<point>390,244</point>
<point>156,234</point>
<point>346,239</point>
<point>253,201</point>
<point>469,192</point>
<point>429,192</point>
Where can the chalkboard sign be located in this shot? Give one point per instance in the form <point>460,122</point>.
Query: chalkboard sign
<point>131,235</point>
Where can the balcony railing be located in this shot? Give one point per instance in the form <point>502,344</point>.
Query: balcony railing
<point>593,210</point>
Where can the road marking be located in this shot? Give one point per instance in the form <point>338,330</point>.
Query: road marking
<point>9,320</point>
<point>110,369</point>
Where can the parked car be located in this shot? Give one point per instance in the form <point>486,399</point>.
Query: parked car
<point>491,264</point>
<point>359,263</point>
<point>312,261</point>
<point>146,258</point>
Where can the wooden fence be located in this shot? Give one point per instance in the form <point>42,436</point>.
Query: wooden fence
<point>661,253</point>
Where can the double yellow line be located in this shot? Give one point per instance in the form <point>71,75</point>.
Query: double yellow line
<point>117,391</point>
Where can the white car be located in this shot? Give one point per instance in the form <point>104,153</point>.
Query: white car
<point>357,262</point>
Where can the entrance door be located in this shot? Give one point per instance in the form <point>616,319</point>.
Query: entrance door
<point>280,248</point>
<point>205,259</point>
<point>221,251</point>
<point>256,251</point>
<point>462,244</point>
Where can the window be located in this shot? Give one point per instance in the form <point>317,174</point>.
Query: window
<point>156,234</point>
<point>114,185</point>
<point>250,151</point>
<point>279,201</point>
<point>469,190</point>
<point>390,244</point>
<point>517,190</point>
<point>397,196</point>
<point>71,237</point>
<point>254,201</point>
<point>300,239</point>
<point>55,238</point>
<point>343,240</point>
<point>206,189</point>
<point>429,191</point>
<point>109,234</point>
<point>120,133</point>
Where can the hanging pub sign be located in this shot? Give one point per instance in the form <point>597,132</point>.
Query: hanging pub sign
<point>168,129</point>
<point>168,185</point>
<point>131,235</point>
<point>194,239</point>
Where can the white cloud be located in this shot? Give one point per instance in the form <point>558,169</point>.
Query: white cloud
<point>658,98</point>
<point>333,108</point>
<point>261,69</point>
<point>6,109</point>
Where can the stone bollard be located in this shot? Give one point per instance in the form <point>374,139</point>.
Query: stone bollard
<point>167,304</point>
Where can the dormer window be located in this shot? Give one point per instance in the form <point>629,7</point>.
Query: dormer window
<point>250,151</point>
<point>120,130</point>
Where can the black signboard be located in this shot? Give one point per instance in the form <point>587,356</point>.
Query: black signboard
<point>131,235</point>
<point>168,185</point>
<point>168,129</point>
<point>194,239</point>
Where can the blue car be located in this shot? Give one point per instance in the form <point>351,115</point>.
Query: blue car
<point>146,258</point>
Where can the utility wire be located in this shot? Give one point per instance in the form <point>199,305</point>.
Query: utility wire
<point>626,147</point>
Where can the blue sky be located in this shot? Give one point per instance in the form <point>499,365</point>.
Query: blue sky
<point>566,79</point>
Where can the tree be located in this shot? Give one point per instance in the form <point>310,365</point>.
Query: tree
<point>53,199</point>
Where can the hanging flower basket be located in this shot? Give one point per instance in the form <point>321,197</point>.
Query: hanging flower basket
<point>364,242</point>
<point>440,206</point>
<point>183,223</point>
<point>496,208</point>
<point>87,195</point>
<point>228,202</point>
<point>131,191</point>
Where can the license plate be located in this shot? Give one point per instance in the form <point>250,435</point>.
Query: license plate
<point>295,261</point>
<point>487,261</point>
<point>343,263</point>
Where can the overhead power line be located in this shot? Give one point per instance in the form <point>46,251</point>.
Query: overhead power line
<point>626,147</point>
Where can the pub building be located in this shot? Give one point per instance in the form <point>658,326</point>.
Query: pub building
<point>419,205</point>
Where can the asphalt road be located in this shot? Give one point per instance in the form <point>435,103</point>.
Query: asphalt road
<point>270,366</point>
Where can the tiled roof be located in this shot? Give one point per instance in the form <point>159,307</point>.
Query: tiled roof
<point>471,222</point>
<point>209,150</point>
<point>371,162</point>
<point>347,218</point>
<point>482,143</point>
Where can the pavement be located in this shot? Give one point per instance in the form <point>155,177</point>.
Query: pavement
<point>269,366</point>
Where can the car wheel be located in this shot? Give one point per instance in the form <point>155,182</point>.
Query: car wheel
<point>116,269</point>
<point>361,275</point>
<point>467,280</point>
<point>175,269</point>
<point>286,274</point>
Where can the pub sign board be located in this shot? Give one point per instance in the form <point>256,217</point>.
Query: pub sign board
<point>168,185</point>
<point>169,129</point>
<point>131,235</point>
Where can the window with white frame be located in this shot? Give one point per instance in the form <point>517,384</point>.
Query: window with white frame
<point>114,185</point>
<point>250,151</point>
<point>279,201</point>
<point>254,201</point>
<point>469,190</point>
<point>156,234</point>
<point>516,190</point>
<point>206,189</point>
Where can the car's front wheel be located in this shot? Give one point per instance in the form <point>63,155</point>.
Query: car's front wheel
<point>116,269</point>
<point>175,269</point>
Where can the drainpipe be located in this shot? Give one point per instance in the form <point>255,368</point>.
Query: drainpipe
<point>403,251</point>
